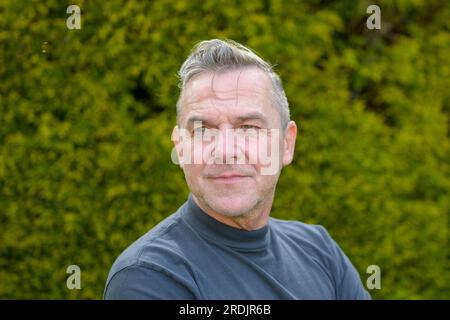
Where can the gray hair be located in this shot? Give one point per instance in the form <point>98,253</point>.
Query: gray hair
<point>223,55</point>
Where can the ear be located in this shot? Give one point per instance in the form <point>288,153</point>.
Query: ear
<point>177,156</point>
<point>290,136</point>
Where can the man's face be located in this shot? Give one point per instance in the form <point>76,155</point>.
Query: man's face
<point>231,127</point>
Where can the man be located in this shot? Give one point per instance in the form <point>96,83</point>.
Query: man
<point>221,243</point>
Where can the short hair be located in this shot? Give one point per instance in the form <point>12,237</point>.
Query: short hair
<point>224,55</point>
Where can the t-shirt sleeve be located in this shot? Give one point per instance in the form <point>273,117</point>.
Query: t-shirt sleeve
<point>143,283</point>
<point>348,281</point>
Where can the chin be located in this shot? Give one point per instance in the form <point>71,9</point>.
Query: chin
<point>231,205</point>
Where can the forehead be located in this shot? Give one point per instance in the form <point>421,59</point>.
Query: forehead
<point>226,84</point>
<point>230,92</point>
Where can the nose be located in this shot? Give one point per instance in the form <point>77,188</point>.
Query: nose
<point>226,149</point>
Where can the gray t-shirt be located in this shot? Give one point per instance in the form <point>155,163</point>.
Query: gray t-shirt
<point>190,255</point>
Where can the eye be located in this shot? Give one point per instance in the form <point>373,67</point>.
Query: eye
<point>200,130</point>
<point>249,126</point>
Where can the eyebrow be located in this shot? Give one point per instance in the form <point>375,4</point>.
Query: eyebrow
<point>254,115</point>
<point>192,119</point>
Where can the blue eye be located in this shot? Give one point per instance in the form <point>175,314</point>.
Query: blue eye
<point>249,126</point>
<point>200,129</point>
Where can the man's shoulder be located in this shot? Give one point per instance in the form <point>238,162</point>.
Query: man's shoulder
<point>299,228</point>
<point>309,236</point>
<point>158,247</point>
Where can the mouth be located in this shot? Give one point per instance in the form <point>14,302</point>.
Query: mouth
<point>229,179</point>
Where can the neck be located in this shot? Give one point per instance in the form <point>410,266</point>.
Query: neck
<point>254,219</point>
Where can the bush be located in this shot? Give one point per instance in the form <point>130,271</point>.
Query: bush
<point>85,132</point>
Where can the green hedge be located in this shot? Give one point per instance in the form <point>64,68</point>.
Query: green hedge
<point>85,131</point>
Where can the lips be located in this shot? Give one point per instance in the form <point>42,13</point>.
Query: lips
<point>229,178</point>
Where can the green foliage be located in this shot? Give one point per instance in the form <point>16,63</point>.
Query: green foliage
<point>85,131</point>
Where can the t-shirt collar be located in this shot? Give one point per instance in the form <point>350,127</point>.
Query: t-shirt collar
<point>221,233</point>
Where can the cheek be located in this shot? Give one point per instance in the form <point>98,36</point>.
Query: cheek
<point>193,173</point>
<point>268,151</point>
<point>265,182</point>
